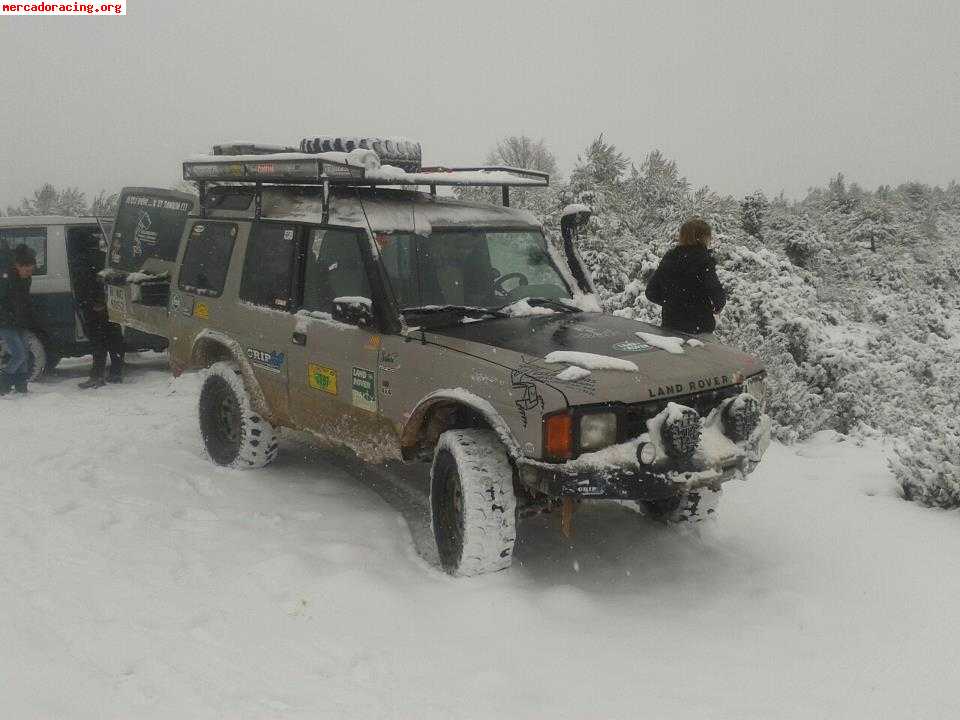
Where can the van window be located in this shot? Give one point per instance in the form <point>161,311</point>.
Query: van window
<point>205,263</point>
<point>334,269</point>
<point>268,266</point>
<point>34,238</point>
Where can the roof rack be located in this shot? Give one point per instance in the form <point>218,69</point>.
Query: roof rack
<point>357,168</point>
<point>348,169</point>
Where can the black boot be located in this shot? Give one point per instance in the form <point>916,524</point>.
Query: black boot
<point>20,385</point>
<point>5,384</point>
<point>93,382</point>
<point>115,376</point>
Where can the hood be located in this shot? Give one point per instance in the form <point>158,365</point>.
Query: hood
<point>522,343</point>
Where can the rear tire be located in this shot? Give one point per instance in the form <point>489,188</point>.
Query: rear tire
<point>37,353</point>
<point>473,503</point>
<point>233,434</point>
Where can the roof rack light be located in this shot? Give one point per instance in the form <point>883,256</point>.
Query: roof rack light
<point>305,170</point>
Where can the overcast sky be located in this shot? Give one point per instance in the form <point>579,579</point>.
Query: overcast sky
<point>771,95</point>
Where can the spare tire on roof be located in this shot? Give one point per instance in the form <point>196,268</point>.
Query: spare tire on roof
<point>401,153</point>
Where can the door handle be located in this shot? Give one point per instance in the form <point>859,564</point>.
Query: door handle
<point>299,338</point>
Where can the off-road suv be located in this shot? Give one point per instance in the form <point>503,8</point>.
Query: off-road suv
<point>318,293</point>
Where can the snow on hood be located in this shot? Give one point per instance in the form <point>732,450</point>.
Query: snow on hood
<point>528,343</point>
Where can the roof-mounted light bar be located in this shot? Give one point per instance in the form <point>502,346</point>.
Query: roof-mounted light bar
<point>292,168</point>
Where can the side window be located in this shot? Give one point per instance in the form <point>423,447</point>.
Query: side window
<point>34,238</point>
<point>268,267</point>
<point>205,263</point>
<point>334,269</point>
<point>397,251</point>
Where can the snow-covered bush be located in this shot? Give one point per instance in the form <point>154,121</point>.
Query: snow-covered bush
<point>927,466</point>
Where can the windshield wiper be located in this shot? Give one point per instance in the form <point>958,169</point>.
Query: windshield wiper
<point>458,311</point>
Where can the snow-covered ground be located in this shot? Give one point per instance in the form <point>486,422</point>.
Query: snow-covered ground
<point>138,581</point>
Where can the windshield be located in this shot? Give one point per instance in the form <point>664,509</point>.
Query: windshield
<point>474,268</point>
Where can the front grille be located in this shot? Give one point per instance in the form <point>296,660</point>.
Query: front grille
<point>635,417</point>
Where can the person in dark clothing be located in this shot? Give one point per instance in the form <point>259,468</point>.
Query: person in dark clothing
<point>105,336</point>
<point>16,318</point>
<point>686,283</point>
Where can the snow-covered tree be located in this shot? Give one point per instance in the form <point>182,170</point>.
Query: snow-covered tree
<point>47,200</point>
<point>753,213</point>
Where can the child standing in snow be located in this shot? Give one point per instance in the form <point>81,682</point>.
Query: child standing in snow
<point>686,283</point>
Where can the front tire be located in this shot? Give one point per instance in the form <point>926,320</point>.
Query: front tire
<point>473,503</point>
<point>233,434</point>
<point>688,507</point>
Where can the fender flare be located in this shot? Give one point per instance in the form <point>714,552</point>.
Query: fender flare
<point>459,396</point>
<point>209,337</point>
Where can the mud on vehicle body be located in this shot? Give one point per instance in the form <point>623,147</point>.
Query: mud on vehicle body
<point>407,325</point>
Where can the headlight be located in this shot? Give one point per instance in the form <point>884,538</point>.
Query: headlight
<point>757,386</point>
<point>598,430</point>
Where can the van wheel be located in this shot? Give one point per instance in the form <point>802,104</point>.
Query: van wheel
<point>37,355</point>
<point>685,507</point>
<point>473,503</point>
<point>233,434</point>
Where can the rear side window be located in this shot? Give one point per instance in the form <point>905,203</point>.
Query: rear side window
<point>149,225</point>
<point>268,267</point>
<point>207,259</point>
<point>34,238</point>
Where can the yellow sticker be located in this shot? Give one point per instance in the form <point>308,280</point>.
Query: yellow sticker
<point>201,311</point>
<point>373,343</point>
<point>322,378</point>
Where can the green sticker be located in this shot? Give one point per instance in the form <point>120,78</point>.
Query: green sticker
<point>364,389</point>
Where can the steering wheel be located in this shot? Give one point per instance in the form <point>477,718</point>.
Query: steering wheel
<point>498,283</point>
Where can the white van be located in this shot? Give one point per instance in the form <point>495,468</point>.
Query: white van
<point>58,242</point>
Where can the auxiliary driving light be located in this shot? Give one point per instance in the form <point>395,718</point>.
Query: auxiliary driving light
<point>741,417</point>
<point>681,432</point>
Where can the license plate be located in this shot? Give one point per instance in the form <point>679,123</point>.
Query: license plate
<point>117,298</point>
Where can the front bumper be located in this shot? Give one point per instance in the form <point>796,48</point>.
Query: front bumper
<point>615,473</point>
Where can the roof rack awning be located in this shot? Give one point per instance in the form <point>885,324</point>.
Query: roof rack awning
<point>337,169</point>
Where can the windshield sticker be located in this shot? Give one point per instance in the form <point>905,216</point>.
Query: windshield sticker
<point>143,235</point>
<point>269,361</point>
<point>632,346</point>
<point>364,389</point>
<point>202,311</point>
<point>322,378</point>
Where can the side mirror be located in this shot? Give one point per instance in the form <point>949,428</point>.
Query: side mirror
<point>353,311</point>
<point>572,219</point>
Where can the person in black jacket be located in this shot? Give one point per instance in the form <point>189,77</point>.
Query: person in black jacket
<point>686,283</point>
<point>105,336</point>
<point>16,317</point>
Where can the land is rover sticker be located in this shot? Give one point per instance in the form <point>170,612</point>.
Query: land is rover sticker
<point>364,389</point>
<point>269,361</point>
